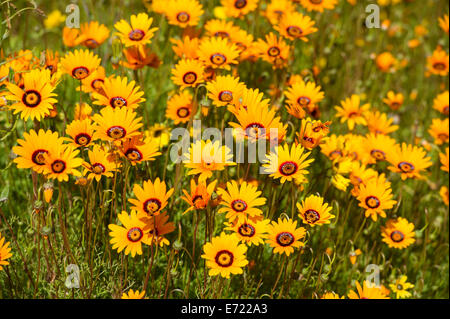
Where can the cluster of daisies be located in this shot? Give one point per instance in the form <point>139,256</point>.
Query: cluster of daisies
<point>105,137</point>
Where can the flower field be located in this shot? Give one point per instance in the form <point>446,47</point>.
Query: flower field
<point>224,149</point>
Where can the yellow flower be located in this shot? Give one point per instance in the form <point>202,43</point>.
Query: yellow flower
<point>379,123</point>
<point>400,287</point>
<point>409,161</point>
<point>34,146</point>
<point>5,252</point>
<point>116,124</point>
<point>80,63</point>
<point>36,98</point>
<point>313,211</point>
<point>288,165</point>
<point>441,103</point>
<point>81,133</point>
<point>183,13</point>
<point>444,160</point>
<point>137,32</point>
<point>352,112</point>
<point>61,162</point>
<point>295,25</point>
<point>302,95</point>
<point>99,164</point>
<point>251,232</point>
<point>318,5</point>
<point>205,157</point>
<point>398,233</point>
<point>368,291</point>
<point>225,255</point>
<point>151,198</point>
<point>273,50</point>
<point>188,73</point>
<point>218,53</point>
<point>93,34</point>
<point>137,150</point>
<point>238,8</point>
<point>225,90</point>
<point>438,63</point>
<point>439,130</point>
<point>133,294</point>
<point>240,201</point>
<point>284,236</point>
<point>376,197</point>
<point>131,235</point>
<point>54,19</point>
<point>331,295</point>
<point>117,93</point>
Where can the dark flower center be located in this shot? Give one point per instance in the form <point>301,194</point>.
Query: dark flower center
<point>303,101</point>
<point>136,35</point>
<point>312,216</point>
<point>246,230</point>
<point>116,132</point>
<point>439,66</point>
<point>152,205</point>
<point>189,77</point>
<point>294,31</point>
<point>82,139</point>
<point>288,168</point>
<point>226,96</point>
<point>38,157</point>
<point>80,73</point>
<point>135,234</point>
<point>133,154</point>
<point>218,59</point>
<point>91,43</point>
<point>240,4</point>
<point>406,167</point>
<point>31,98</point>
<point>285,239</point>
<point>118,102</point>
<point>372,202</point>
<point>273,51</point>
<point>58,166</point>
<point>239,205</point>
<point>183,17</point>
<point>224,258</point>
<point>397,236</point>
<point>378,154</point>
<point>98,168</point>
<point>183,112</point>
